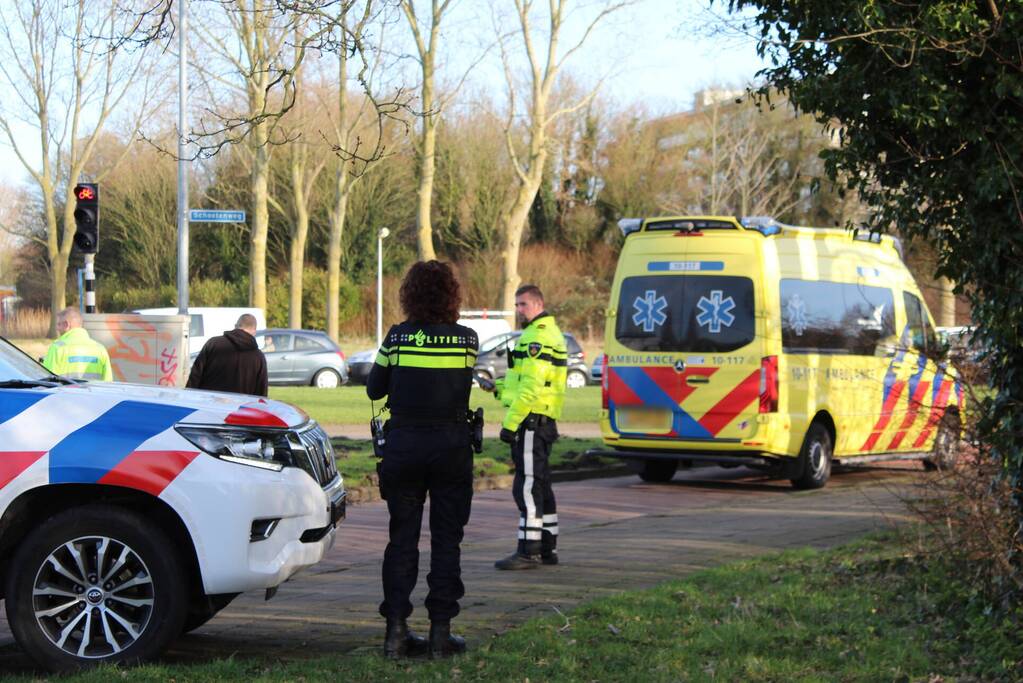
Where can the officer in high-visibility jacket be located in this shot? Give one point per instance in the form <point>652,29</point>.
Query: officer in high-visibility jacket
<point>534,391</point>
<point>74,353</point>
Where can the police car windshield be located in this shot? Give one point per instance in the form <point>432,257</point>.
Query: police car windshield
<point>712,313</point>
<point>16,365</point>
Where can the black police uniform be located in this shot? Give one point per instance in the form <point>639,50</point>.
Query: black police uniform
<point>426,373</point>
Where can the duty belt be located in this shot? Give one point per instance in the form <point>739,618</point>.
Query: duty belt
<point>425,421</point>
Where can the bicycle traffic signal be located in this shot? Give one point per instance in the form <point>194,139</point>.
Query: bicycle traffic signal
<point>87,217</point>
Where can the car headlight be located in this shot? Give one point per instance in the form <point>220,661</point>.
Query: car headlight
<point>268,450</point>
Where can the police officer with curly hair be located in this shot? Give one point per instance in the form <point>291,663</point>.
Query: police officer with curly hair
<point>534,391</point>
<point>424,367</point>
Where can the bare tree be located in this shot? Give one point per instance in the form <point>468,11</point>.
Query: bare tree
<point>528,163</point>
<point>352,118</point>
<point>63,90</point>
<point>263,58</point>
<point>304,173</point>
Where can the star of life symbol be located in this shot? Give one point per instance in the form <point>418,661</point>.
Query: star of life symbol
<point>795,311</point>
<point>649,310</point>
<point>715,311</point>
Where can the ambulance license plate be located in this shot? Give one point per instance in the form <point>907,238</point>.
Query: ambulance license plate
<point>656,420</point>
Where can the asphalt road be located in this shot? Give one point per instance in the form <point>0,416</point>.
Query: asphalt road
<point>616,534</point>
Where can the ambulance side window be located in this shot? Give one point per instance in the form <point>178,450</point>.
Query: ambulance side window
<point>915,322</point>
<point>818,316</point>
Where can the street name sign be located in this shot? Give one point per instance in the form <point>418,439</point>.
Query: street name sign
<point>215,216</point>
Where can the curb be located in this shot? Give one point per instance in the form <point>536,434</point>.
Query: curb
<point>498,482</point>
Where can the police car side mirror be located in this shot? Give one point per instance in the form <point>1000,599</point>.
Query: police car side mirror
<point>500,351</point>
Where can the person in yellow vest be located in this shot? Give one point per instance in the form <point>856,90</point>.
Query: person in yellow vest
<point>534,391</point>
<point>74,354</point>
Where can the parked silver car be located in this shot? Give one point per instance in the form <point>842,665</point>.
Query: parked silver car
<point>302,357</point>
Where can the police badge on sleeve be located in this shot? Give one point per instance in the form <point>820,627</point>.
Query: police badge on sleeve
<point>534,349</point>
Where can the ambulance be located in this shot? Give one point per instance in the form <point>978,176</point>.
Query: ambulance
<point>788,349</point>
<point>131,514</point>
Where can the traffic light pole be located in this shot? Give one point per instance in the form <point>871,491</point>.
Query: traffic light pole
<point>90,283</point>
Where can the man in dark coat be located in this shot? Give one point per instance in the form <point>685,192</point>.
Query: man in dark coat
<point>231,362</point>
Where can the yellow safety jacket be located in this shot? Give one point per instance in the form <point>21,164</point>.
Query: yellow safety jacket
<point>537,368</point>
<point>75,354</point>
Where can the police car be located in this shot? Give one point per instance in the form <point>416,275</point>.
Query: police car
<point>130,514</point>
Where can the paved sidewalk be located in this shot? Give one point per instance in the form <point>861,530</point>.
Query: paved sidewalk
<point>580,430</point>
<point>616,534</point>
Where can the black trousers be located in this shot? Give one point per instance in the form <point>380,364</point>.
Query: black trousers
<point>538,511</point>
<point>434,460</point>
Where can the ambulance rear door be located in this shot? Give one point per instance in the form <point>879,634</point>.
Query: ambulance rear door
<point>690,369</point>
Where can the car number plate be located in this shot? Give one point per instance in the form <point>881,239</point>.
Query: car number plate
<point>337,509</point>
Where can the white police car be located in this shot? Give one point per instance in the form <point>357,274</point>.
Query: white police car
<point>130,514</point>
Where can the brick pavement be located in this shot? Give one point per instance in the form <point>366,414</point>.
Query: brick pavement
<point>615,534</point>
<point>582,430</point>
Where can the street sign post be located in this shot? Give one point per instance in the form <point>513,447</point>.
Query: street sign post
<point>215,216</point>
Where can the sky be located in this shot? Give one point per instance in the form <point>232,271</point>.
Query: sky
<point>655,52</point>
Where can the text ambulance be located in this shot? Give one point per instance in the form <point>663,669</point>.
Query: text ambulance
<point>748,342</point>
<point>130,514</point>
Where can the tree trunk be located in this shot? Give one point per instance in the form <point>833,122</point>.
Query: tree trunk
<point>58,265</point>
<point>427,166</point>
<point>297,262</point>
<point>337,228</point>
<point>513,228</point>
<point>424,226</point>
<point>948,302</point>
<point>260,221</point>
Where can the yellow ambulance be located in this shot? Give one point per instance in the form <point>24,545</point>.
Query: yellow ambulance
<point>748,342</point>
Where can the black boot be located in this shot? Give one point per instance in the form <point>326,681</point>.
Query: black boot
<point>518,561</point>
<point>442,643</point>
<point>400,642</point>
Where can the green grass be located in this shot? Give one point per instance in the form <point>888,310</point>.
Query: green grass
<point>349,405</point>
<point>870,611</point>
<point>356,462</point>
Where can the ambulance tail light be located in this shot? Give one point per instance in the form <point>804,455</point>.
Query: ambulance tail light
<point>769,384</point>
<point>604,372</point>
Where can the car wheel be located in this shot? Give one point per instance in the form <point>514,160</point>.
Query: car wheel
<point>659,471</point>
<point>204,610</point>
<point>946,443</point>
<point>575,380</point>
<point>95,584</point>
<point>814,464</point>
<point>326,378</point>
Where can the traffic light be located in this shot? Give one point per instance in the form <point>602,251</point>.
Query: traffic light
<point>87,217</point>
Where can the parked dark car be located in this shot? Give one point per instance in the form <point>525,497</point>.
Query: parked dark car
<point>597,370</point>
<point>304,357</point>
<point>359,365</point>
<point>492,361</point>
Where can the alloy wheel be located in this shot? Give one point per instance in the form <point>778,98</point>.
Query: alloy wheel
<point>93,597</point>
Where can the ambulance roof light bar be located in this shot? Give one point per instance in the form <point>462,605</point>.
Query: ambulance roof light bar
<point>872,235</point>
<point>630,225</point>
<point>765,225</point>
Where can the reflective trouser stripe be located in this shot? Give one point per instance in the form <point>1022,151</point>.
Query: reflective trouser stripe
<point>533,526</point>
<point>550,524</point>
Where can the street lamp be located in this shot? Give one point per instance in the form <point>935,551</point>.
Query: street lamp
<point>384,232</point>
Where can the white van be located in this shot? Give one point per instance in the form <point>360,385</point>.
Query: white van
<point>486,324</point>
<point>208,322</point>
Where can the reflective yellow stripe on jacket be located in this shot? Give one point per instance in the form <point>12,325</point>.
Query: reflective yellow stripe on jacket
<point>444,358</point>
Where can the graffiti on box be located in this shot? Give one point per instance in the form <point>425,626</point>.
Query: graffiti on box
<point>141,352</point>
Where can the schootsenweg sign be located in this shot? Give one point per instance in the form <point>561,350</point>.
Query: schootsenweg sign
<point>215,216</point>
